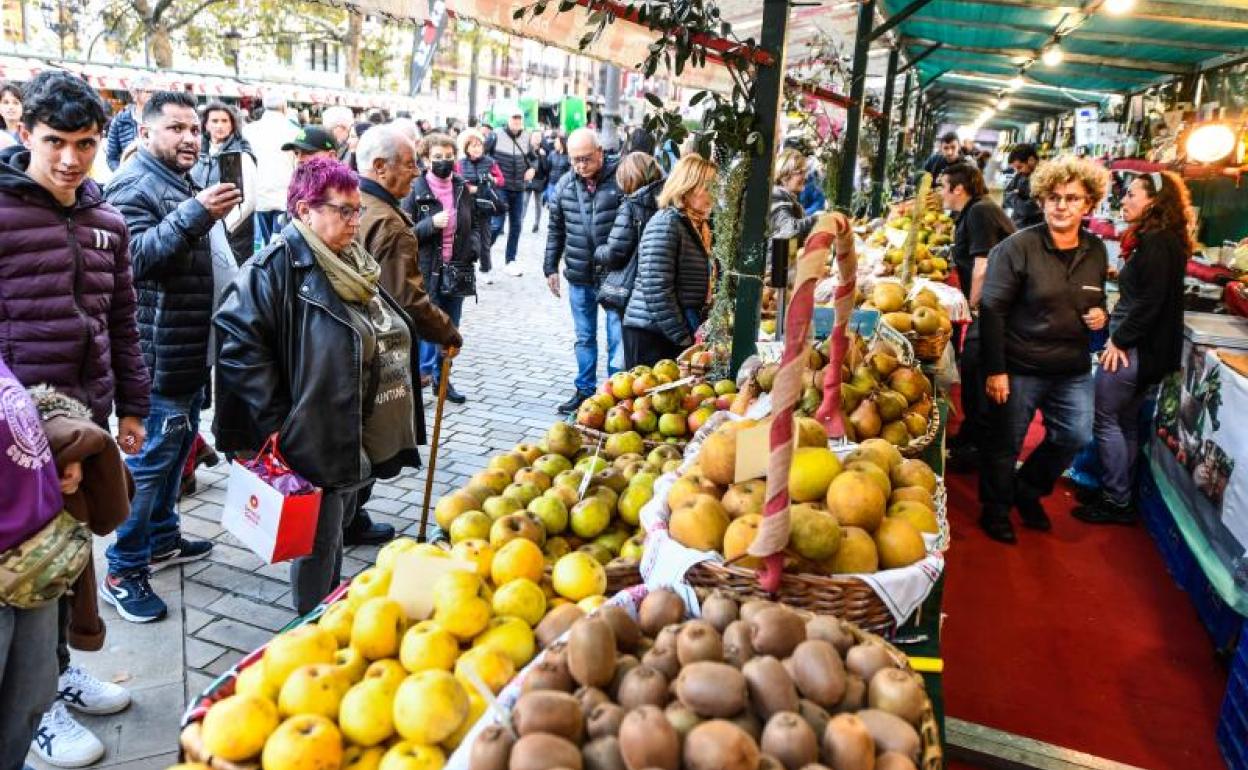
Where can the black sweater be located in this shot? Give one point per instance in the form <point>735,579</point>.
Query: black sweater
<point>1149,314</point>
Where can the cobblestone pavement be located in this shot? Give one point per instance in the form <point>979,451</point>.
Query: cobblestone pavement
<point>515,368</point>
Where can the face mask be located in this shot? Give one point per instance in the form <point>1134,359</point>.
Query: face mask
<point>442,168</point>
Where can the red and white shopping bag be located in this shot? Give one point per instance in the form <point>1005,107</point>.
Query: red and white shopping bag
<point>269,507</point>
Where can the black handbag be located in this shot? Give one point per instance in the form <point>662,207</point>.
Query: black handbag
<point>456,280</point>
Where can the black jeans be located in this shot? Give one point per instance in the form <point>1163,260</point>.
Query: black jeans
<point>974,400</point>
<point>646,348</point>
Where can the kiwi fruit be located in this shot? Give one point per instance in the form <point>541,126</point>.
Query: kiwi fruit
<point>891,733</point>
<point>590,699</point>
<point>648,740</point>
<point>591,652</point>
<point>855,695</point>
<point>663,659</point>
<point>847,744</point>
<point>698,640</point>
<point>667,636</point>
<point>603,754</point>
<point>557,621</point>
<point>776,631</point>
<point>897,692</point>
<point>604,720</point>
<point>789,739</point>
<point>719,745</point>
<point>711,689</point>
<point>542,751</point>
<point>830,630</point>
<point>771,690</point>
<point>623,664</point>
<point>719,610</point>
<point>547,711</point>
<point>643,685</point>
<point>814,715</point>
<point>548,674</point>
<point>891,760</point>
<point>816,766</point>
<point>627,632</point>
<point>749,722</point>
<point>737,646</point>
<point>768,762</point>
<point>661,607</point>
<point>820,672</point>
<point>751,608</point>
<point>491,749</point>
<point>865,659</point>
<point>681,717</point>
<point>789,668</point>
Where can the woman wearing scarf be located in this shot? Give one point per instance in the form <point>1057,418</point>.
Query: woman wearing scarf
<point>1145,334</point>
<point>442,209</point>
<point>312,349</point>
<point>674,271</point>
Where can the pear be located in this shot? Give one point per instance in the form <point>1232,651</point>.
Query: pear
<point>891,405</point>
<point>896,434</point>
<point>851,397</point>
<point>866,420</point>
<point>883,362</point>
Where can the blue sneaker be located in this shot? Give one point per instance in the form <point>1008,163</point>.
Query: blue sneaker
<point>181,553</point>
<point>133,597</point>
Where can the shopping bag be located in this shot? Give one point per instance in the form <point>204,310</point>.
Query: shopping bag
<point>270,508</point>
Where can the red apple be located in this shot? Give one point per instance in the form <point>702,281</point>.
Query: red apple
<point>591,415</point>
<point>690,402</point>
<point>724,403</point>
<point>642,404</point>
<point>644,383</point>
<point>698,418</point>
<point>645,421</point>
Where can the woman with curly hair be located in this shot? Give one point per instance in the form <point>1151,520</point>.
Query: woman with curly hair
<point>1044,293</point>
<point>1145,333</point>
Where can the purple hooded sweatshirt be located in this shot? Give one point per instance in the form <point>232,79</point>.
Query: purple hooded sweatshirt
<point>30,489</point>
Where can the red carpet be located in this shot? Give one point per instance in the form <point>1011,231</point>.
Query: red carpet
<point>1078,637</point>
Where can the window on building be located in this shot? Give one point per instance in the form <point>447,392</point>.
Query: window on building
<point>566,89</point>
<point>506,92</point>
<point>324,57</point>
<point>454,85</point>
<point>285,50</point>
<point>492,92</point>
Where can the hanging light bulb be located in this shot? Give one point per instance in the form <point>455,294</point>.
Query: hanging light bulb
<point>1052,54</point>
<point>1210,143</point>
<point>1016,83</point>
<point>1119,7</point>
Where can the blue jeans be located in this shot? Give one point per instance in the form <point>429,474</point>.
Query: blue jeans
<point>515,221</point>
<point>1065,404</point>
<point>152,526</point>
<point>584,302</point>
<point>1117,427</point>
<point>266,225</point>
<point>431,352</point>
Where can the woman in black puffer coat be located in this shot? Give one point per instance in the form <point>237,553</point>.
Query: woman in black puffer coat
<point>674,270</point>
<point>485,182</point>
<point>640,179</point>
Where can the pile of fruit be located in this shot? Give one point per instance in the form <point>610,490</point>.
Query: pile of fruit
<point>750,687</point>
<point>534,493</point>
<point>923,314</point>
<point>633,407</point>
<point>858,515</point>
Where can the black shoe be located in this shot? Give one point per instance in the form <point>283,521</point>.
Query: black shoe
<point>181,553</point>
<point>1087,495</point>
<point>1106,511</point>
<point>998,528</point>
<point>962,459</point>
<point>452,395</point>
<point>1032,513</point>
<point>364,531</point>
<point>572,404</point>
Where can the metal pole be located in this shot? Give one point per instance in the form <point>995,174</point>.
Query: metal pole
<point>609,130</point>
<point>903,122</point>
<point>768,88</point>
<point>880,167</point>
<point>853,120</point>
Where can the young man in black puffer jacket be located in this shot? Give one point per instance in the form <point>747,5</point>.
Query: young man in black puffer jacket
<point>583,212</point>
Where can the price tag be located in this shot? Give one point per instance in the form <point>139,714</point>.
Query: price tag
<point>753,452</point>
<point>580,493</point>
<point>863,321</point>
<point>414,576</point>
<point>674,384</point>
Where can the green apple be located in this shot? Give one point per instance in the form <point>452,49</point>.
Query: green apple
<point>498,506</point>
<point>552,512</point>
<point>552,465</point>
<point>523,493</point>
<point>470,525</point>
<point>590,517</point>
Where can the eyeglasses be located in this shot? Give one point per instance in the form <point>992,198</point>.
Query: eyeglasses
<point>1069,200</point>
<point>584,160</point>
<point>345,213</point>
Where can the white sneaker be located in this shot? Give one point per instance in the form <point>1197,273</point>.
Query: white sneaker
<point>61,741</point>
<point>79,690</point>
<point>514,269</point>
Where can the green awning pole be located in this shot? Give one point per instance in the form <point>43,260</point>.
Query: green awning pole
<point>880,165</point>
<point>768,87</point>
<point>857,95</point>
<point>903,122</point>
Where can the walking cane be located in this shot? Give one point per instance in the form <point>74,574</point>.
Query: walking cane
<point>433,449</point>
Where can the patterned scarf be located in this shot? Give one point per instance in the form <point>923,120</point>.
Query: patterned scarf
<point>353,274</point>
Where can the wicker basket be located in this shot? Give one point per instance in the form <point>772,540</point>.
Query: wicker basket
<point>593,435</point>
<point>689,369</point>
<point>931,347</point>
<point>919,445</point>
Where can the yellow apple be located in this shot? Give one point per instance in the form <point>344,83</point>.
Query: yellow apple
<point>493,666</point>
<point>578,575</point>
<point>297,647</point>
<point>591,603</point>
<point>315,689</point>
<point>392,550</point>
<point>235,728</point>
<point>378,627</point>
<point>428,647</point>
<point>429,707</point>
<point>475,551</point>
<point>367,713</point>
<point>455,586</point>
<point>389,671</point>
<point>337,620</point>
<point>252,681</point>
<point>411,756</point>
<point>464,619</point>
<point>303,742</point>
<point>369,584</point>
<point>519,558</point>
<point>360,758</point>
<point>521,597</point>
<point>510,636</point>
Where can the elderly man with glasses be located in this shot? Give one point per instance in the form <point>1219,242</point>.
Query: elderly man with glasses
<point>583,211</point>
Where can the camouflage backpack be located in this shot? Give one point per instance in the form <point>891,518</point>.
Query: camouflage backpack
<point>41,569</point>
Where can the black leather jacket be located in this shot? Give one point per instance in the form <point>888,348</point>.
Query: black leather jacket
<point>289,362</point>
<point>172,264</point>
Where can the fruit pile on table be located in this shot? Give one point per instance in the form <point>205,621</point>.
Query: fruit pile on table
<point>641,405</point>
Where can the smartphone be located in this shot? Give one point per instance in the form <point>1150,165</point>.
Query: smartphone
<point>232,169</point>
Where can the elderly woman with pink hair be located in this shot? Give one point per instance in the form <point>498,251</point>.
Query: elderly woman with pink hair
<point>314,351</point>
